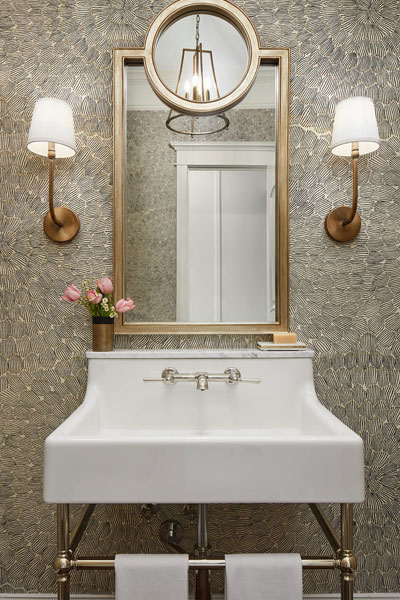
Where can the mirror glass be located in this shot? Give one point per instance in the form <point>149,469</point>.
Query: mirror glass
<point>200,222</point>
<point>201,57</point>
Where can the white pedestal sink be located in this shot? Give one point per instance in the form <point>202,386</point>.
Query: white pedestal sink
<point>137,442</point>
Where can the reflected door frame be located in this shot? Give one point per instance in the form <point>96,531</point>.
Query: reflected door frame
<point>216,155</point>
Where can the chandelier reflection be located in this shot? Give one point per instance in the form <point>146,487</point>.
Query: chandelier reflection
<point>197,82</point>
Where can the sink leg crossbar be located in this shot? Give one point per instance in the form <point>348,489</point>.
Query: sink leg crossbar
<point>344,560</point>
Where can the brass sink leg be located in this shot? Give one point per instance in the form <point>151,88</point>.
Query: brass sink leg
<point>348,562</point>
<point>345,560</point>
<point>326,527</point>
<point>63,560</point>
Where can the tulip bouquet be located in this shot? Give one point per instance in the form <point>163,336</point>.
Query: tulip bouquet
<point>98,298</point>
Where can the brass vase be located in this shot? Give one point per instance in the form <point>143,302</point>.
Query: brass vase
<point>103,334</point>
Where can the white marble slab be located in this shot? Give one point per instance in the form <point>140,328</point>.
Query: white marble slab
<point>252,353</point>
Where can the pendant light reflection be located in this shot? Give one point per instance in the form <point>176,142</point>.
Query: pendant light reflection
<point>198,83</point>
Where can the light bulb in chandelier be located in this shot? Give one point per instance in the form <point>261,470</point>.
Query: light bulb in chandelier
<point>197,88</point>
<point>207,89</point>
<point>187,89</point>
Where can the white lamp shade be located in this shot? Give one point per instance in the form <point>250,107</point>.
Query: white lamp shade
<point>355,121</point>
<point>52,121</point>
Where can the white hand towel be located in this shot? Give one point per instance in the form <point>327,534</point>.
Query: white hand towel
<point>151,576</point>
<point>263,577</point>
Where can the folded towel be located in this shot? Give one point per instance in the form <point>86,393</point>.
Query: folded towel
<point>263,576</point>
<point>151,576</point>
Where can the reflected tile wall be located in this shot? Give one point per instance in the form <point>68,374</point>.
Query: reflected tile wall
<point>151,203</point>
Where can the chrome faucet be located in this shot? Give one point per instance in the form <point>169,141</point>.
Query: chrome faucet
<point>231,376</point>
<point>202,382</point>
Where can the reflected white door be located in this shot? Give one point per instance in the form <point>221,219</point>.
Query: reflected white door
<point>243,245</point>
<point>226,242</point>
<point>225,232</point>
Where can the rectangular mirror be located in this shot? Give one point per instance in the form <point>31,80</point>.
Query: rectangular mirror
<point>201,222</point>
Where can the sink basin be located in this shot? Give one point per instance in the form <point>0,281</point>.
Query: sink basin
<point>135,442</point>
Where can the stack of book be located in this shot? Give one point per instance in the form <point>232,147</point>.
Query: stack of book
<point>272,346</point>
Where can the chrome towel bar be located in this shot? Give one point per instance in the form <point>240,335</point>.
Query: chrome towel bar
<point>202,563</point>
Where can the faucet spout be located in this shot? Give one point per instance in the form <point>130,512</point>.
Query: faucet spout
<point>202,382</point>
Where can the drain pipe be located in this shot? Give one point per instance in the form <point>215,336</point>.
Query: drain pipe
<point>171,533</point>
<point>203,583</point>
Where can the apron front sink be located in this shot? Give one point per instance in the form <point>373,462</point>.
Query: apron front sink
<point>137,442</point>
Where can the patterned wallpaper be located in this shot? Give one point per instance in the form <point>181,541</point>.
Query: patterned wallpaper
<point>344,298</point>
<point>151,203</point>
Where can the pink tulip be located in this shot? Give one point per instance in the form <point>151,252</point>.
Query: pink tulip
<point>105,285</point>
<point>124,305</point>
<point>71,293</point>
<point>93,297</point>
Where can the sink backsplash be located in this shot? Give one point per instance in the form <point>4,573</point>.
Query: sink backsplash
<point>186,342</point>
<point>343,303</point>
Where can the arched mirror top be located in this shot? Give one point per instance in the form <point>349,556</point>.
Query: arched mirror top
<point>201,58</point>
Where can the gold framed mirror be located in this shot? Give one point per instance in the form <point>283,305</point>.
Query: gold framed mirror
<point>201,217</point>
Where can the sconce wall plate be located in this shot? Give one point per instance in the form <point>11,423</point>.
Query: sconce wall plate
<point>335,228</point>
<point>68,229</point>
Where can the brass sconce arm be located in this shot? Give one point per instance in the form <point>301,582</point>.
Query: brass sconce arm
<point>51,156</point>
<point>60,224</point>
<point>354,155</point>
<point>343,223</point>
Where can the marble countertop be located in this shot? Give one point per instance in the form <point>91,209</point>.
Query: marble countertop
<point>245,353</point>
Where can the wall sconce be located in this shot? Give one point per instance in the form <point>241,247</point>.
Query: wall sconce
<point>355,132</point>
<point>51,134</point>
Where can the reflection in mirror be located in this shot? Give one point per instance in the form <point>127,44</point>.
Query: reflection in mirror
<point>200,235</point>
<point>201,57</point>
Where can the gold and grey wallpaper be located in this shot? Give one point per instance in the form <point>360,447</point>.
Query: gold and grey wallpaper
<point>345,299</point>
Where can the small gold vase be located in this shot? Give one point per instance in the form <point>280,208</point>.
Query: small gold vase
<point>103,334</point>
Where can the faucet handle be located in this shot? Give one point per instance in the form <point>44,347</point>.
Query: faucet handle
<point>234,376</point>
<point>167,376</point>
